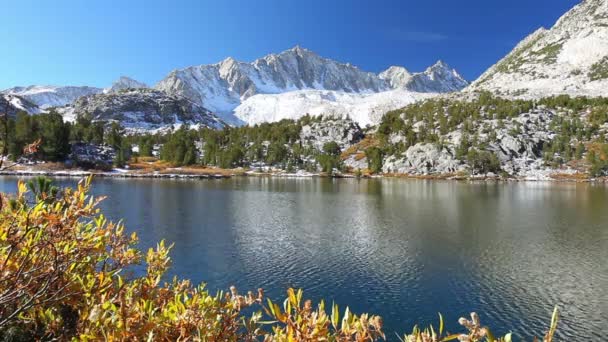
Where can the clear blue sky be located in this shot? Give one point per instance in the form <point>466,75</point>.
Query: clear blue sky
<point>83,42</point>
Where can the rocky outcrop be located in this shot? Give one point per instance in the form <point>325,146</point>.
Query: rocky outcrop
<point>356,162</point>
<point>345,132</point>
<point>424,159</point>
<point>145,109</point>
<point>92,156</point>
<point>518,144</point>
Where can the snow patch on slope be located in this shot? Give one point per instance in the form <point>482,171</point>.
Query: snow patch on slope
<point>365,109</point>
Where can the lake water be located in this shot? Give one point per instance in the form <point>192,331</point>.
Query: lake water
<point>403,249</point>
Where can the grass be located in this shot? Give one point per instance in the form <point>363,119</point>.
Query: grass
<point>512,63</point>
<point>150,165</point>
<point>576,177</point>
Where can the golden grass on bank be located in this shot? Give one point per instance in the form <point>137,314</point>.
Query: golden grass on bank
<point>359,148</point>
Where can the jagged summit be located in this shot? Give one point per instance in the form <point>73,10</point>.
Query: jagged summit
<point>396,76</point>
<point>438,78</point>
<point>569,58</point>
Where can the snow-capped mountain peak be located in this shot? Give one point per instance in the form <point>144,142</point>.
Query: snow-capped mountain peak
<point>438,78</point>
<point>396,76</point>
<point>442,72</point>
<point>440,65</point>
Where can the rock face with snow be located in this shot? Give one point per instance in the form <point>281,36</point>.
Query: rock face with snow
<point>439,78</point>
<point>51,96</point>
<point>344,132</point>
<point>570,58</point>
<point>225,87</point>
<point>144,109</point>
<point>124,83</point>
<point>221,86</point>
<point>13,104</point>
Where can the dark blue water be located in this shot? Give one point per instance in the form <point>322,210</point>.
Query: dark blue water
<point>398,248</point>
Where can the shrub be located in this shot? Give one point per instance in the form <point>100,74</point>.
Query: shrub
<point>64,267</point>
<point>374,159</point>
<point>483,161</point>
<point>599,70</point>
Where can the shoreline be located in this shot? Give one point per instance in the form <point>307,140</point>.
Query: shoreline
<point>226,174</point>
<point>82,173</point>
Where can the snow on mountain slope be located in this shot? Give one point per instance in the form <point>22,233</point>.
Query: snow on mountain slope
<point>51,96</point>
<point>570,58</point>
<point>123,83</point>
<point>363,108</point>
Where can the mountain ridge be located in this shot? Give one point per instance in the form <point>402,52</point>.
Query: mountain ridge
<point>570,58</point>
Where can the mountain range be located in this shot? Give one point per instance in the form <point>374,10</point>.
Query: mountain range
<point>278,86</point>
<point>569,58</point>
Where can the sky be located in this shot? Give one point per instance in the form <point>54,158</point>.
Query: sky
<point>81,42</point>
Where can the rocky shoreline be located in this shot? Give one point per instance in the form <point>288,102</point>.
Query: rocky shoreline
<point>554,177</point>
